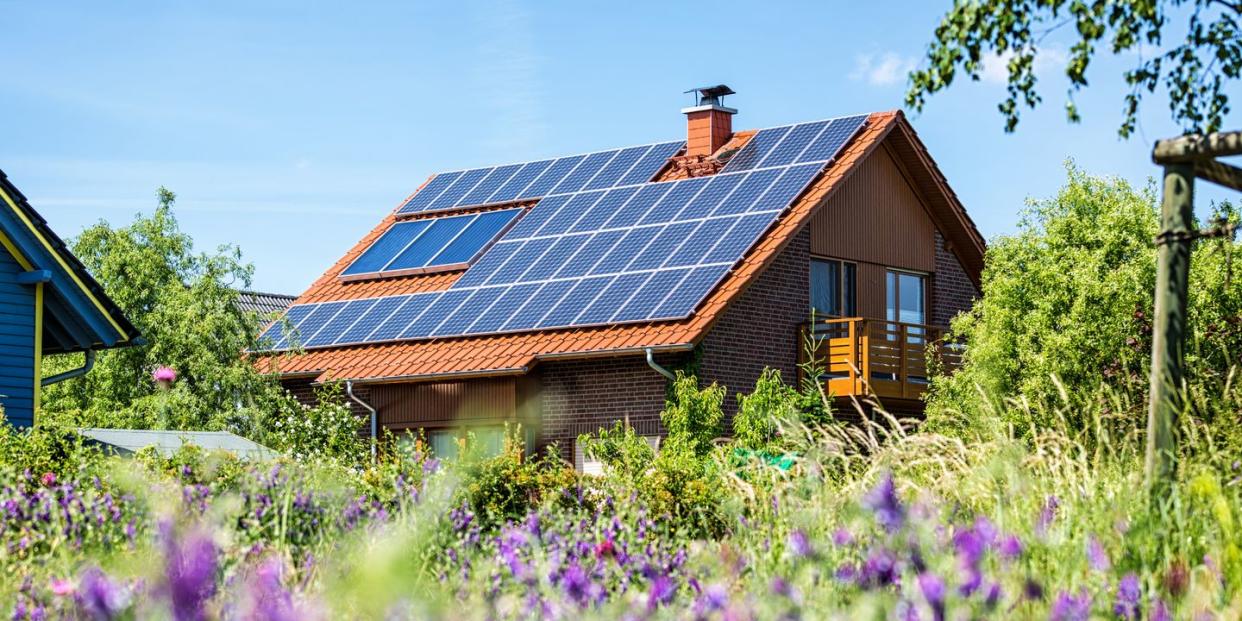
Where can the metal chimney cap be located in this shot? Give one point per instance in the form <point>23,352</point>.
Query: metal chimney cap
<point>711,95</point>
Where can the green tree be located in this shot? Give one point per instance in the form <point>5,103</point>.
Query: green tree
<point>692,416</point>
<point>1066,305</point>
<point>1196,72</point>
<point>756,423</point>
<point>183,303</point>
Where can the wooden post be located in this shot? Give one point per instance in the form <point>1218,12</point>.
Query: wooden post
<point>1169,325</point>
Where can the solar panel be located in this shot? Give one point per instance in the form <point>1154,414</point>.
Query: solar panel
<point>382,252</point>
<point>429,192</point>
<point>436,242</point>
<point>818,141</point>
<point>651,163</point>
<point>603,252</point>
<point>534,180</point>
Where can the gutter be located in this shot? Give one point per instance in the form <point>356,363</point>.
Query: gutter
<point>349,390</point>
<point>658,369</point>
<point>72,373</point>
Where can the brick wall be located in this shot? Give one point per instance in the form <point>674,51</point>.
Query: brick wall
<point>582,396</point>
<point>761,328</point>
<point>952,290</point>
<point>302,389</point>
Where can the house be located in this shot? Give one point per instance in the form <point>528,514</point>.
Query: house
<point>560,293</point>
<point>266,305</point>
<point>49,304</point>
<point>126,442</point>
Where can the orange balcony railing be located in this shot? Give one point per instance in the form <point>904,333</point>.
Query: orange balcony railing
<point>892,359</point>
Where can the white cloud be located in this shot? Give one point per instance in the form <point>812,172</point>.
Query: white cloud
<point>995,69</point>
<point>884,69</point>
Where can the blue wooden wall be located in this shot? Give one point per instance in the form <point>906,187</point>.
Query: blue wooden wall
<point>17,343</point>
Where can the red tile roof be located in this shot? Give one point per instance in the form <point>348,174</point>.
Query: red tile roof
<point>516,353</point>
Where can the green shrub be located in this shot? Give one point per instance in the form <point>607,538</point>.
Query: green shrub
<point>759,414</point>
<point>692,416</point>
<point>1066,308</point>
<point>329,430</point>
<point>505,487</point>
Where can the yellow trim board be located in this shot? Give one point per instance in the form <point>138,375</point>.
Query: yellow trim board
<point>61,260</point>
<point>17,254</point>
<point>38,351</point>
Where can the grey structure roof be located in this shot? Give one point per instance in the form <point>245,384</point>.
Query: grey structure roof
<point>129,441</point>
<point>264,304</point>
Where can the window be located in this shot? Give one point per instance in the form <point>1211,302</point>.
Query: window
<point>586,465</point>
<point>907,297</point>
<point>445,443</point>
<point>833,287</point>
<point>431,244</point>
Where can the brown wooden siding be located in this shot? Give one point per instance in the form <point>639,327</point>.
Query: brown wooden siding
<point>876,217</point>
<point>445,404</point>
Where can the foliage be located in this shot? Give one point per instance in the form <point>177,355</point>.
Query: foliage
<point>915,523</point>
<point>625,455</point>
<point>328,430</point>
<point>755,425</point>
<point>183,303</point>
<point>507,486</point>
<point>1065,308</point>
<point>692,415</point>
<point>1196,72</point>
<point>47,448</point>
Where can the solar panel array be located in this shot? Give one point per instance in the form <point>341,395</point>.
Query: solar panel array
<point>431,243</point>
<point>515,182</point>
<point>818,141</point>
<point>597,256</point>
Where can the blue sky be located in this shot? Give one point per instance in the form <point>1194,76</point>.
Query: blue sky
<point>290,129</point>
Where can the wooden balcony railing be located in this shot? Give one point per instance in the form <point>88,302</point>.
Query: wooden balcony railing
<point>891,359</point>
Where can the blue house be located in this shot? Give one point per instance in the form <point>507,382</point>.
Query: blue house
<point>49,304</point>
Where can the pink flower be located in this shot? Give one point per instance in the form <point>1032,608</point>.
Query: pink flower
<point>61,586</point>
<point>48,479</point>
<point>164,374</point>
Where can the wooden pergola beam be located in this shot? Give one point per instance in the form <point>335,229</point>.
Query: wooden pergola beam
<point>1219,173</point>
<point>1196,147</point>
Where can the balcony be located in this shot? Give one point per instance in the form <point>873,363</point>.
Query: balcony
<point>888,359</point>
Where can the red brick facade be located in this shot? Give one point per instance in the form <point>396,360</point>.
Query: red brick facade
<point>952,290</point>
<point>761,329</point>
<point>581,396</point>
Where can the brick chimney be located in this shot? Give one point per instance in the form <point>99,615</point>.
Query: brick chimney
<point>708,123</point>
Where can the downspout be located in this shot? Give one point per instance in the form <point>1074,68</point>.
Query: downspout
<point>658,369</point>
<point>349,390</point>
<point>72,373</point>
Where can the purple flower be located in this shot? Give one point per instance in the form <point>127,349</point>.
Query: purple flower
<point>714,597</point>
<point>661,592</point>
<point>932,588</point>
<point>99,598</point>
<point>842,537</point>
<point>1129,596</point>
<point>800,545</point>
<point>269,600</point>
<point>970,546</point>
<point>1096,556</point>
<point>993,595</point>
<point>1068,607</point>
<point>880,569</point>
<point>1032,590</point>
<point>191,573</point>
<point>1047,514</point>
<point>1010,547</point>
<point>883,502</point>
<point>1160,612</point>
